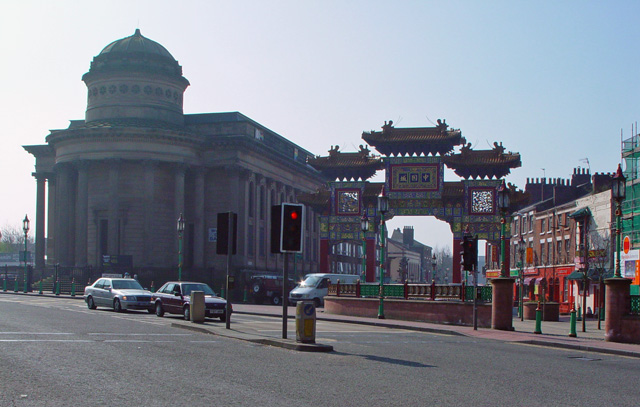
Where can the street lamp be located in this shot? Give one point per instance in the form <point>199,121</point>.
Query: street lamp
<point>364,226</point>
<point>619,192</point>
<point>434,263</point>
<point>383,207</point>
<point>180,234</point>
<point>521,250</point>
<point>503,206</point>
<point>25,228</point>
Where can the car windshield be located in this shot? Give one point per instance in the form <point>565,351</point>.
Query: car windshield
<point>187,288</point>
<point>126,285</point>
<point>310,281</point>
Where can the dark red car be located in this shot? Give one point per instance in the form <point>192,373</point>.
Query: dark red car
<point>173,298</point>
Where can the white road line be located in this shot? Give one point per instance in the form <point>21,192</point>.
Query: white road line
<point>134,334</point>
<point>36,333</point>
<point>46,340</point>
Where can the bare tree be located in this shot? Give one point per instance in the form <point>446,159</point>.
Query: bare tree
<point>12,240</point>
<point>600,260</point>
<point>444,262</point>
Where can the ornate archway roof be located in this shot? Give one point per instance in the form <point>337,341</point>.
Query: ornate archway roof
<point>414,140</point>
<point>347,166</point>
<point>493,163</point>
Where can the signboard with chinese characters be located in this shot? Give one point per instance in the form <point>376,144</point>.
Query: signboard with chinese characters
<point>414,177</point>
<point>348,201</point>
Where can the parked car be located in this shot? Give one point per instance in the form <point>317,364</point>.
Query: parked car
<point>269,288</point>
<point>174,298</point>
<point>120,294</point>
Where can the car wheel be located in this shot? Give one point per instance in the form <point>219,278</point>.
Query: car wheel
<point>187,313</point>
<point>276,300</point>
<point>256,288</point>
<point>90,303</point>
<point>317,302</point>
<point>117,307</point>
<point>159,310</point>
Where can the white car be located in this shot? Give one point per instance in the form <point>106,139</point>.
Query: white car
<point>120,294</point>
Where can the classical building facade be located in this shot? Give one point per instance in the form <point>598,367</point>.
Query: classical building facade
<point>117,181</point>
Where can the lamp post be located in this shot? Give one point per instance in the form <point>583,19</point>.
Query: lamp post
<point>521,249</point>
<point>364,226</point>
<point>503,206</point>
<point>619,192</point>
<point>434,263</point>
<point>180,235</point>
<point>383,207</point>
<point>25,228</point>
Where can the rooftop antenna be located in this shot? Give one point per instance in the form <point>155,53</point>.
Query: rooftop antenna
<point>586,160</point>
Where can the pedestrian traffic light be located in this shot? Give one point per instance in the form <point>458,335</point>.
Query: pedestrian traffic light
<point>292,230</point>
<point>469,252</point>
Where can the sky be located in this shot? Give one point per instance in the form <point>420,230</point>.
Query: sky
<point>556,81</point>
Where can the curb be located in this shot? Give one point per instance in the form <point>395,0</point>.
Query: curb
<point>281,343</point>
<point>585,348</point>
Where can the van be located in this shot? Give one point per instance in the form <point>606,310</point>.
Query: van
<point>315,286</point>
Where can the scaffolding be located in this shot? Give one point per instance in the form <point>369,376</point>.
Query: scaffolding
<point>631,205</point>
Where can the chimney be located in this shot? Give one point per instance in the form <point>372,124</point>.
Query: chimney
<point>407,235</point>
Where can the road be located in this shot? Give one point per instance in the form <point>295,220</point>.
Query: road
<point>56,352</point>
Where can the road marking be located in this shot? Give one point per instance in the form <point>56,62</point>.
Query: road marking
<point>134,334</point>
<point>36,333</point>
<point>46,340</point>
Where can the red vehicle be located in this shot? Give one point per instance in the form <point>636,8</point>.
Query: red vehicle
<point>173,298</point>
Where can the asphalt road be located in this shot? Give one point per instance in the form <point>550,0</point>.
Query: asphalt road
<point>56,352</point>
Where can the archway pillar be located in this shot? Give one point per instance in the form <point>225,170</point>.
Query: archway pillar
<point>457,261</point>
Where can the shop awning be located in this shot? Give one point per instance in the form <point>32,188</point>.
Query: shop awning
<point>538,280</point>
<point>575,275</point>
<point>528,280</point>
<point>581,213</point>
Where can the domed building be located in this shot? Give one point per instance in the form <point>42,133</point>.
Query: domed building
<point>118,180</point>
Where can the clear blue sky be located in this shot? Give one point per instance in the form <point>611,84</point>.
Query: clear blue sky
<point>553,80</point>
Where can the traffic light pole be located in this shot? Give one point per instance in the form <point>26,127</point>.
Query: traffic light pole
<point>285,280</point>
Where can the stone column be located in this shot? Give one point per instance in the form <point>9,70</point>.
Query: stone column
<point>617,305</point>
<point>502,304</point>
<point>52,254</point>
<point>199,238</point>
<point>41,180</point>
<point>64,214</point>
<point>113,208</point>
<point>82,214</point>
<point>149,214</point>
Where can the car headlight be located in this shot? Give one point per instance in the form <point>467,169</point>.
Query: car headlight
<point>128,298</point>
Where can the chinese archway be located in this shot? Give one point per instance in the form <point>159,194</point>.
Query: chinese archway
<point>414,161</point>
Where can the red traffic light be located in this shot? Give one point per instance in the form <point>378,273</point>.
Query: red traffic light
<point>294,215</point>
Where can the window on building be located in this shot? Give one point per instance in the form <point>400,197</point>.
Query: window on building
<point>550,224</point>
<point>542,253</point>
<point>559,251</point>
<point>262,203</point>
<point>567,249</point>
<point>550,258</point>
<point>542,224</point>
<point>530,222</point>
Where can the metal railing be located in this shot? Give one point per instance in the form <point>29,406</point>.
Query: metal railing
<point>407,291</point>
<point>635,305</point>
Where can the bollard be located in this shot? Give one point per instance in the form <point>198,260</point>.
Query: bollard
<point>4,285</point>
<point>40,290</point>
<point>73,287</point>
<point>572,323</point>
<point>26,284</point>
<point>244,296</point>
<point>538,320</point>
<point>15,286</point>
<point>53,287</point>
<point>305,322</point>
<point>579,313</point>
<point>57,287</point>
<point>197,307</point>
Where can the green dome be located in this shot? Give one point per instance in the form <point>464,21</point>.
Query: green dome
<point>136,44</point>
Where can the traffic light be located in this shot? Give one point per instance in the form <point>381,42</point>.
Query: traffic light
<point>226,220</point>
<point>292,228</point>
<point>469,252</point>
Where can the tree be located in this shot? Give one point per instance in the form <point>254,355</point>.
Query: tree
<point>599,258</point>
<point>444,263</point>
<point>12,240</point>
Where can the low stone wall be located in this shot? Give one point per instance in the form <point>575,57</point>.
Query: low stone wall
<point>551,311</point>
<point>440,312</point>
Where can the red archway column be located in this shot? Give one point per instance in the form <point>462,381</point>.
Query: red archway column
<point>324,256</point>
<point>457,248</point>
<point>371,261</point>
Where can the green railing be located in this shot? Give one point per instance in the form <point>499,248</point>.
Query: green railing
<point>454,292</point>
<point>635,305</point>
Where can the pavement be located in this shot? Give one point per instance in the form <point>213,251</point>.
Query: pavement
<point>553,334</point>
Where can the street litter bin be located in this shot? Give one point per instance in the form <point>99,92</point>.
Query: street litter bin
<point>305,322</point>
<point>197,306</point>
